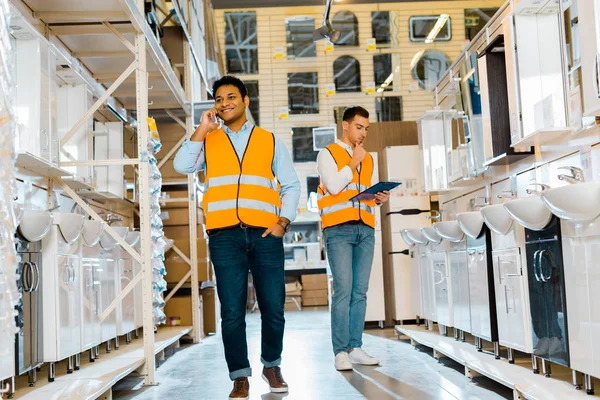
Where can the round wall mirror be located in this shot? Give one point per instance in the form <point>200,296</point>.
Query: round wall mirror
<point>428,67</point>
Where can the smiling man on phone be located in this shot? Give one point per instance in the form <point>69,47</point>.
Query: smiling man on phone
<point>252,192</point>
<point>346,169</point>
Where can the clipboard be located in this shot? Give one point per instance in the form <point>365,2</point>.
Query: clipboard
<point>369,194</point>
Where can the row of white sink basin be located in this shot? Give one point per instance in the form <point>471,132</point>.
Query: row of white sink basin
<point>34,225</point>
<point>576,202</point>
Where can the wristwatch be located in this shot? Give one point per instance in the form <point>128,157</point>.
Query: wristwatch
<point>285,224</point>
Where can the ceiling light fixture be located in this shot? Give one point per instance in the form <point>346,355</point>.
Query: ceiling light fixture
<point>326,31</point>
<point>437,28</point>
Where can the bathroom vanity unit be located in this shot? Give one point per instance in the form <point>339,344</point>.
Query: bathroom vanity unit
<point>61,292</point>
<point>427,285</point>
<point>546,277</point>
<point>482,295</point>
<point>442,286</point>
<point>91,270</point>
<point>28,341</point>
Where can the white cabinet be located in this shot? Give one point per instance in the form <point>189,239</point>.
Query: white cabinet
<point>460,289</point>
<point>125,313</point>
<point>108,292</point>
<point>512,300</point>
<point>432,147</point>
<point>109,179</point>
<point>91,267</point>
<point>589,19</point>
<point>35,70</point>
<point>73,102</point>
<point>427,285</point>
<point>582,288</point>
<point>375,295</point>
<point>415,282</point>
<point>61,293</point>
<point>402,287</point>
<point>442,288</point>
<point>541,78</point>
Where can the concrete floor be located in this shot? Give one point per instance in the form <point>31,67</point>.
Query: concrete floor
<point>200,372</point>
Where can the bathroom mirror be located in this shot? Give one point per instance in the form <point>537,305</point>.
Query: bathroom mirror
<point>428,66</point>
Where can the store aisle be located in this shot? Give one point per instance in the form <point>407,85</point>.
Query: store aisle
<point>200,372</point>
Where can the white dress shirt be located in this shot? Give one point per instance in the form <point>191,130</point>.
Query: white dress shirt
<point>335,181</point>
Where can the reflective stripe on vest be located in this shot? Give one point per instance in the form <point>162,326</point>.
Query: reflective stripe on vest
<point>240,191</point>
<point>338,209</point>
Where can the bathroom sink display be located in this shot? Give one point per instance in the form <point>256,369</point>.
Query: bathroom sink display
<point>69,225</point>
<point>531,212</point>
<point>576,202</point>
<point>132,238</point>
<point>417,236</point>
<point>407,240</point>
<point>497,219</point>
<point>92,230</point>
<point>35,224</point>
<point>470,223</point>
<point>449,230</point>
<point>430,233</point>
<point>108,242</point>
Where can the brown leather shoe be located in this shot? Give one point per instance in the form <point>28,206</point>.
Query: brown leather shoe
<point>241,388</point>
<point>276,382</point>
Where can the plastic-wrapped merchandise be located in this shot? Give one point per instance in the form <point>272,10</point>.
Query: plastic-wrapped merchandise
<point>9,294</point>
<point>158,266</point>
<point>159,316</point>
<point>156,221</point>
<point>158,301</point>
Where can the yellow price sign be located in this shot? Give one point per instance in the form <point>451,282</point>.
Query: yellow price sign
<point>279,54</point>
<point>371,44</point>
<point>330,89</point>
<point>370,87</point>
<point>284,112</point>
<point>328,47</point>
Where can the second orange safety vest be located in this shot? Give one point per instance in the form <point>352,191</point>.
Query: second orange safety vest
<point>338,209</point>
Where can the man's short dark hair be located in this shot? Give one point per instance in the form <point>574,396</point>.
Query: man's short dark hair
<point>230,80</point>
<point>353,111</point>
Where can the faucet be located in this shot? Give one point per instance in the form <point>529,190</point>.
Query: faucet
<point>436,216</point>
<point>474,204</point>
<point>542,186</point>
<point>575,177</point>
<point>509,194</point>
<point>112,218</point>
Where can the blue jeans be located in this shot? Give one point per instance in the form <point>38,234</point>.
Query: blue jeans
<point>350,251</point>
<point>234,252</point>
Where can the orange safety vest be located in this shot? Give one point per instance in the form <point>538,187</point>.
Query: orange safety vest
<point>337,209</point>
<point>240,191</point>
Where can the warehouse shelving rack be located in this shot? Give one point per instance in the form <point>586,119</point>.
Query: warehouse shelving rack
<point>107,45</point>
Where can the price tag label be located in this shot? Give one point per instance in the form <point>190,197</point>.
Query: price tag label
<point>370,87</point>
<point>284,112</point>
<point>328,47</point>
<point>330,89</point>
<point>371,44</point>
<point>278,52</point>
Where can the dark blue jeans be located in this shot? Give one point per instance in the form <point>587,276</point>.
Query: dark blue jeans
<point>234,252</point>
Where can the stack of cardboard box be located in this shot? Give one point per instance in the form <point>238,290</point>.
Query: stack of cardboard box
<point>314,290</point>
<point>293,294</point>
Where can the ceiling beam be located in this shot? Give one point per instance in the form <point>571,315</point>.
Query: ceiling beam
<point>155,106</point>
<point>151,93</point>
<point>79,16</point>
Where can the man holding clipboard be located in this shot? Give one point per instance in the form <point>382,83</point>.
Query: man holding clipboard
<point>348,219</point>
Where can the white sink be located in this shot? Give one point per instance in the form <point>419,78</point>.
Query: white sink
<point>69,225</point>
<point>417,236</point>
<point>470,223</point>
<point>529,212</point>
<point>35,224</point>
<point>576,202</point>
<point>92,230</point>
<point>497,218</point>
<point>407,240</point>
<point>108,242</point>
<point>430,233</point>
<point>132,238</point>
<point>449,230</point>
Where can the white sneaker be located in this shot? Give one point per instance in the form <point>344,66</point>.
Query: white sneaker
<point>359,356</point>
<point>342,362</point>
<point>555,346</point>
<point>542,347</point>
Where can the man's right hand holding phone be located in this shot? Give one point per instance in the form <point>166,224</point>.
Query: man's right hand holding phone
<point>207,125</point>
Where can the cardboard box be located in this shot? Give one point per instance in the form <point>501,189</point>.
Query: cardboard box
<point>314,293</point>
<point>314,301</point>
<point>293,287</point>
<point>179,216</point>
<point>177,194</point>
<point>314,281</point>
<point>180,307</point>
<point>174,263</point>
<point>290,305</point>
